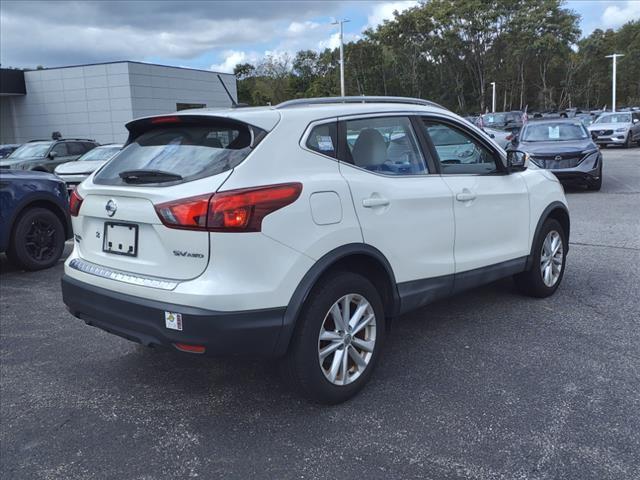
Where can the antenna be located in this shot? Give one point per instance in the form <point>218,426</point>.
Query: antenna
<point>234,104</point>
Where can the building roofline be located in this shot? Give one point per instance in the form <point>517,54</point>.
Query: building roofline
<point>126,61</point>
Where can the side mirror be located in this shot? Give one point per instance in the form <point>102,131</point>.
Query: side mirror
<point>53,155</point>
<point>635,120</point>
<point>517,161</point>
<point>594,136</point>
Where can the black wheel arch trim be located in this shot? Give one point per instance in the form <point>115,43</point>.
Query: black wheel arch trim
<point>543,218</point>
<point>323,265</point>
<point>50,200</point>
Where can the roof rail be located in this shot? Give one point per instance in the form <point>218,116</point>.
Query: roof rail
<point>362,99</point>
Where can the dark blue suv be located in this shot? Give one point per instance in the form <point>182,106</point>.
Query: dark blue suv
<point>34,218</point>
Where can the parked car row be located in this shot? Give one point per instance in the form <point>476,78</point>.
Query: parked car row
<point>73,159</point>
<point>34,203</point>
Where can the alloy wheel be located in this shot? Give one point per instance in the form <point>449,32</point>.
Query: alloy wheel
<point>347,339</point>
<point>551,258</point>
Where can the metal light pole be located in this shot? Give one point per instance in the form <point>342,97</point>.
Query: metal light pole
<point>613,86</point>
<point>341,22</point>
<point>493,97</point>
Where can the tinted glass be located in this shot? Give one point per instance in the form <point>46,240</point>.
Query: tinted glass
<point>385,145</point>
<point>61,149</point>
<point>458,152</point>
<point>29,150</point>
<point>323,139</point>
<point>191,151</point>
<point>553,132</point>
<point>76,148</point>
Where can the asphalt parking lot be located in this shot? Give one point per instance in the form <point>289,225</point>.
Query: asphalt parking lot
<point>488,385</point>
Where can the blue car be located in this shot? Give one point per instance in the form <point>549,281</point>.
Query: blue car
<point>34,218</point>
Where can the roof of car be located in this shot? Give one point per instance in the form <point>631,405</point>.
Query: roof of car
<point>309,110</point>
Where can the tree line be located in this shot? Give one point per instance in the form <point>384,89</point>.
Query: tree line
<point>449,51</point>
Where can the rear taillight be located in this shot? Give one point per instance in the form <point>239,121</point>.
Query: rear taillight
<point>188,213</point>
<point>75,202</point>
<point>233,211</point>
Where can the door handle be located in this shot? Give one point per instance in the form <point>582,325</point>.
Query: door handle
<point>465,196</point>
<point>375,202</point>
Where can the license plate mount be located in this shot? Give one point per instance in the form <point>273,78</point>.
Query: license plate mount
<point>120,239</point>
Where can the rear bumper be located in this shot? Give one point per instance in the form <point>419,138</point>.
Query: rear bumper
<point>253,332</point>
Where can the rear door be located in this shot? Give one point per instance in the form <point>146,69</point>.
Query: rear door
<point>491,206</point>
<point>173,167</point>
<point>404,210</point>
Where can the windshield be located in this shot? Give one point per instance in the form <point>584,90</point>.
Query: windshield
<point>499,118</point>
<point>99,154</point>
<point>31,150</point>
<point>614,118</point>
<point>553,132</point>
<point>188,151</point>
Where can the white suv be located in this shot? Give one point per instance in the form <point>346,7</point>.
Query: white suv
<point>299,231</point>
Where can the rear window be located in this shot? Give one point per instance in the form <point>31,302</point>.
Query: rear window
<point>190,151</point>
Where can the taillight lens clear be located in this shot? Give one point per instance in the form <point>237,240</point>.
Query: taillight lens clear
<point>75,202</point>
<point>232,211</point>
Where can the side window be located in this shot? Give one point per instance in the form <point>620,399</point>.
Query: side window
<point>458,152</point>
<point>324,139</point>
<point>385,145</point>
<point>75,148</point>
<point>88,146</point>
<point>60,149</point>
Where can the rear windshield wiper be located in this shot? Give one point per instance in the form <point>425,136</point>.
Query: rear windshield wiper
<point>148,176</point>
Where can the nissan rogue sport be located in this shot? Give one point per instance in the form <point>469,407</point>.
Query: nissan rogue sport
<point>300,231</point>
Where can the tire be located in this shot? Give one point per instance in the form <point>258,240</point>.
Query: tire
<point>37,241</point>
<point>531,282</point>
<point>596,185</point>
<point>302,366</point>
<point>627,142</point>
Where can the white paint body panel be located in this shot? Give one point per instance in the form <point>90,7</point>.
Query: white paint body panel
<point>244,271</point>
<point>415,231</point>
<point>493,227</point>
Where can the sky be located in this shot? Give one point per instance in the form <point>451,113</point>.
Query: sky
<point>208,35</point>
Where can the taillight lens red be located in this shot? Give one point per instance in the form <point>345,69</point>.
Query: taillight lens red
<point>75,202</point>
<point>233,211</point>
<point>157,120</point>
<point>188,213</point>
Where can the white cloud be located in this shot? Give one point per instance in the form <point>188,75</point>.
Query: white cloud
<point>615,16</point>
<point>384,11</point>
<point>233,58</point>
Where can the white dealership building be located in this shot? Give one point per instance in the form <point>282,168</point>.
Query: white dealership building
<point>96,101</point>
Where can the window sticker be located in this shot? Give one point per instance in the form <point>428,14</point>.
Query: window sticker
<point>554,132</point>
<point>325,143</point>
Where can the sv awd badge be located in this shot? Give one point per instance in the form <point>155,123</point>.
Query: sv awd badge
<point>180,253</point>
